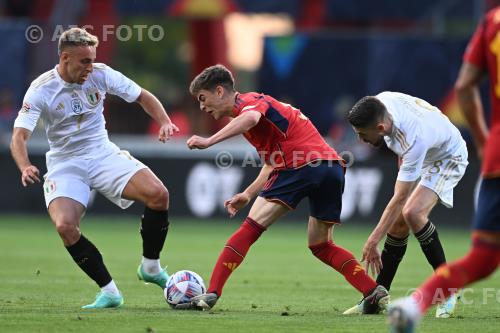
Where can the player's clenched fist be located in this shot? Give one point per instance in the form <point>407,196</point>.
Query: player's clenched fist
<point>30,175</point>
<point>237,202</point>
<point>197,142</point>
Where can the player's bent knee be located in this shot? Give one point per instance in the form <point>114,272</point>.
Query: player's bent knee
<point>69,232</point>
<point>64,228</point>
<point>158,197</point>
<point>412,214</point>
<point>317,248</point>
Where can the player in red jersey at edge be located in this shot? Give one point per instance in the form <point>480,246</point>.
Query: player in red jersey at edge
<point>298,163</point>
<point>481,58</point>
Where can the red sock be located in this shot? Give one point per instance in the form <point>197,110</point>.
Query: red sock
<point>482,260</point>
<point>344,262</point>
<point>233,253</point>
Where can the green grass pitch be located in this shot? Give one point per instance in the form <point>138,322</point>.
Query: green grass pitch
<point>280,287</point>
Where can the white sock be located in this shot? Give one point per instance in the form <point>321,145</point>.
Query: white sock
<point>151,266</point>
<point>111,288</point>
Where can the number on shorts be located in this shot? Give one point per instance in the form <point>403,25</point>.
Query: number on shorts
<point>436,168</point>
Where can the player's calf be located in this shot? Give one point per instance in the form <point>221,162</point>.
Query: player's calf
<point>346,264</point>
<point>90,260</point>
<point>154,230</point>
<point>234,253</point>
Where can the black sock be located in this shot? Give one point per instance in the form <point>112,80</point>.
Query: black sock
<point>88,257</point>
<point>392,254</point>
<point>154,229</point>
<point>431,246</point>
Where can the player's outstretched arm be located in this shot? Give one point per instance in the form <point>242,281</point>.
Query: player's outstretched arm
<point>371,255</point>
<point>19,151</point>
<point>153,107</point>
<point>238,125</point>
<point>469,99</point>
<point>240,200</point>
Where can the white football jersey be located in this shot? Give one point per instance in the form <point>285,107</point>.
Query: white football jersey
<point>421,134</point>
<point>73,113</point>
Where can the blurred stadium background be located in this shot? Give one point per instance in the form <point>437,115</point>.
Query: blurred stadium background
<point>319,55</point>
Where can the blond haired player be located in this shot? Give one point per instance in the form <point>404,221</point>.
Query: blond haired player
<point>69,98</point>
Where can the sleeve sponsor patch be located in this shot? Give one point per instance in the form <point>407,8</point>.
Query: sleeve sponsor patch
<point>25,108</point>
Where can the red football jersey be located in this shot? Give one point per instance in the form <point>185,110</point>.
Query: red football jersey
<point>483,51</point>
<point>283,137</point>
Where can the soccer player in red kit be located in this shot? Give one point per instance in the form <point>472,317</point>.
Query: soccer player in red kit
<point>481,57</point>
<point>298,163</point>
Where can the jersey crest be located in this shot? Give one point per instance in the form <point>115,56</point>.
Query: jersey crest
<point>93,96</point>
<point>76,105</point>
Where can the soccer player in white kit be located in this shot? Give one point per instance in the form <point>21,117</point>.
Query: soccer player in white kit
<point>433,158</point>
<point>69,99</point>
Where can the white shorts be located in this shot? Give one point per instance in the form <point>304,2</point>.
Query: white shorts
<point>443,175</point>
<point>107,170</point>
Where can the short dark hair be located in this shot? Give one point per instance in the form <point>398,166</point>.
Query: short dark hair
<point>366,112</point>
<point>210,78</point>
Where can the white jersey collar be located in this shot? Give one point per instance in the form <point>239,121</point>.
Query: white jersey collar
<point>64,83</point>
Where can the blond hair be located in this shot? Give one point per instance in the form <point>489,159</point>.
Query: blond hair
<point>76,37</point>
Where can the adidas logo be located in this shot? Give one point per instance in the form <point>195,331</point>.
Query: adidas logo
<point>357,269</point>
<point>444,272</point>
<point>60,106</point>
<point>231,265</point>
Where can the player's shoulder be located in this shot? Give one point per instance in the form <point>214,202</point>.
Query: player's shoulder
<point>384,94</point>
<point>388,98</point>
<point>249,98</point>
<point>397,104</point>
<point>100,70</point>
<point>100,67</point>
<point>104,73</point>
<point>392,95</point>
<point>44,80</point>
<point>490,20</point>
<point>44,86</point>
<point>101,74</point>
<point>397,98</point>
<point>492,16</point>
<point>251,101</point>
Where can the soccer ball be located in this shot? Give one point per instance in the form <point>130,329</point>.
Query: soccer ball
<point>182,286</point>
